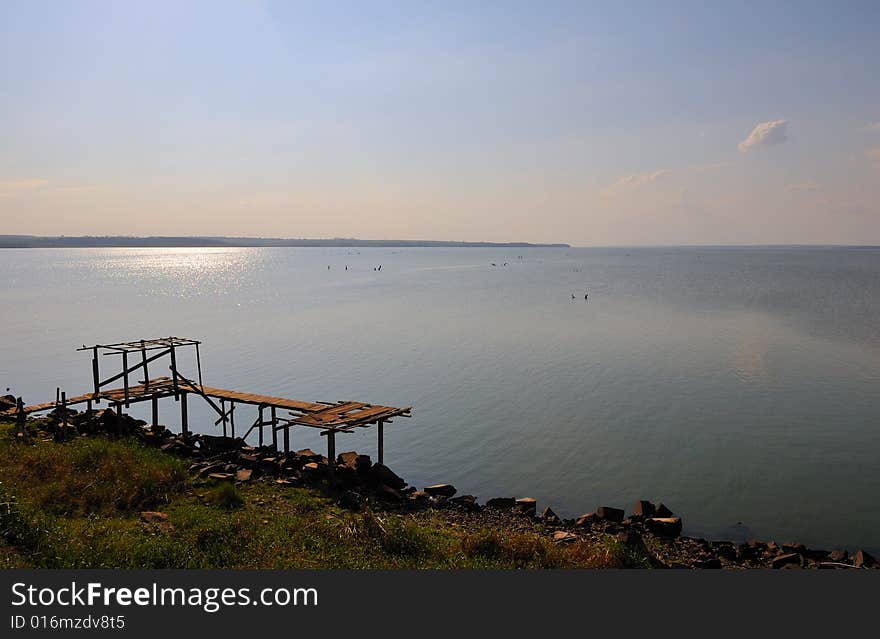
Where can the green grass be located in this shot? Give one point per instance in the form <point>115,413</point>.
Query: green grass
<point>77,505</point>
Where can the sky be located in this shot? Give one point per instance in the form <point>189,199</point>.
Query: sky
<point>607,123</point>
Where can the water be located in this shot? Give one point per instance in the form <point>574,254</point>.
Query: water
<point>739,386</point>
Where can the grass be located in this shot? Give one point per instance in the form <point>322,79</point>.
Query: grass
<point>77,505</point>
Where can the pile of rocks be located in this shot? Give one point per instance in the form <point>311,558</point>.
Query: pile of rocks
<point>358,481</point>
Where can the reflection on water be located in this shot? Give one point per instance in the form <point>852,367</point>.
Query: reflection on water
<point>738,386</point>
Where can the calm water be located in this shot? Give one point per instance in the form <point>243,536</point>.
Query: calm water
<point>738,386</point>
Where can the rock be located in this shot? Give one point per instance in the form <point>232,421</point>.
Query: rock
<point>351,500</point>
<point>664,526</point>
<point>446,490</point>
<point>629,537</point>
<point>8,402</point>
<point>710,563</point>
<point>381,474</point>
<point>389,493</point>
<point>221,476</point>
<point>644,509</point>
<point>153,517</point>
<point>608,513</point>
<point>362,463</point>
<point>527,505</point>
<point>662,511</point>
<point>308,454</point>
<point>501,502</point>
<point>838,555</point>
<point>564,537</point>
<point>311,468</point>
<point>549,516</point>
<point>243,474</point>
<point>468,502</point>
<point>419,496</point>
<point>586,520</point>
<point>863,559</point>
<point>789,558</point>
<point>725,550</point>
<point>215,444</point>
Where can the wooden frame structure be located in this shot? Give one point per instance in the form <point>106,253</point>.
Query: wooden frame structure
<point>329,417</point>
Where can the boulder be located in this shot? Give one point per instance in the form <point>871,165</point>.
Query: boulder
<point>381,474</point>
<point>863,559</point>
<point>389,493</point>
<point>347,459</point>
<point>446,490</point>
<point>664,526</point>
<point>662,511</point>
<point>8,402</point>
<point>527,505</point>
<point>549,516</point>
<point>608,513</point>
<point>501,502</point>
<point>783,560</point>
<point>644,509</point>
<point>838,556</point>
<point>586,520</point>
<point>467,502</point>
<point>564,537</point>
<point>243,474</point>
<point>215,444</point>
<point>153,517</point>
<point>351,500</point>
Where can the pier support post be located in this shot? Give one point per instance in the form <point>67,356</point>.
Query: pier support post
<point>125,377</point>
<point>155,412</point>
<point>287,438</point>
<point>223,410</point>
<point>232,418</point>
<point>381,451</point>
<point>184,422</point>
<point>274,430</point>
<point>331,457</point>
<point>20,417</point>
<point>118,409</point>
<point>88,407</point>
<point>261,427</point>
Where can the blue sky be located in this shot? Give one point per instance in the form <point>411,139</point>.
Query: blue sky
<point>589,123</point>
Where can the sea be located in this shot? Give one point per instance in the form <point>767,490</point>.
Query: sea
<point>740,386</point>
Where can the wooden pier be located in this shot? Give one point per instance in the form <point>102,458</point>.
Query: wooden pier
<point>329,417</point>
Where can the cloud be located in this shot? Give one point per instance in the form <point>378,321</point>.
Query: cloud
<point>803,187</point>
<point>873,126</point>
<point>765,134</point>
<point>23,185</point>
<point>873,156</point>
<point>637,179</point>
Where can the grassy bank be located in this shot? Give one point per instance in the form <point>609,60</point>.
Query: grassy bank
<point>79,504</point>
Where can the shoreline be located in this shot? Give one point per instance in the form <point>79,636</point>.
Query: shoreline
<point>651,532</point>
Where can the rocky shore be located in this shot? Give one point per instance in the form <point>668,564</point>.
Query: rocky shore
<point>358,483</point>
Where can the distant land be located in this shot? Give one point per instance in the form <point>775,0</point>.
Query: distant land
<point>87,241</point>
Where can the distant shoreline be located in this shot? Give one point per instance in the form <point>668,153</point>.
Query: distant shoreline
<point>34,241</point>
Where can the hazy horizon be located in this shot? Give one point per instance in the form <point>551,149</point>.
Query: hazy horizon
<point>679,124</point>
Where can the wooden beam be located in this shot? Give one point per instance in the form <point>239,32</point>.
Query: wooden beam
<point>274,429</point>
<point>184,422</point>
<point>125,377</point>
<point>331,457</point>
<point>155,411</point>
<point>381,453</point>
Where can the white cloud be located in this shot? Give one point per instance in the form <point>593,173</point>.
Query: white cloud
<point>23,185</point>
<point>765,134</point>
<point>637,179</point>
